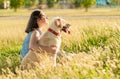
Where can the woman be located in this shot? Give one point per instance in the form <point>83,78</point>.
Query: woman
<point>36,22</point>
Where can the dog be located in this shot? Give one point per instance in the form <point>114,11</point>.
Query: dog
<point>51,38</point>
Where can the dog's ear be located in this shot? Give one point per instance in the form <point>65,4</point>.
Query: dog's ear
<point>58,22</point>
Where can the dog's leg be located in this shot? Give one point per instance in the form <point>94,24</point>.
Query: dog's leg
<point>54,62</point>
<point>55,57</point>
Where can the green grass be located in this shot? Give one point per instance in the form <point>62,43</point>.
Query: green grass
<point>95,41</point>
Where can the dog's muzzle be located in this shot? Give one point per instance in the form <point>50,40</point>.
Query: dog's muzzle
<point>66,28</point>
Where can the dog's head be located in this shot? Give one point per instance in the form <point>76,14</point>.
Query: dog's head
<point>61,24</point>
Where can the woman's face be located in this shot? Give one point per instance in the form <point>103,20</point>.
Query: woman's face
<point>43,21</point>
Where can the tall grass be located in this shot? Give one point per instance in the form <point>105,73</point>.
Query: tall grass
<point>95,41</point>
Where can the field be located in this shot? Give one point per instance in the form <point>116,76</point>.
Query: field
<point>96,41</point>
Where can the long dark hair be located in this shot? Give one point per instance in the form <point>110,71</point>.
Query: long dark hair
<point>32,23</point>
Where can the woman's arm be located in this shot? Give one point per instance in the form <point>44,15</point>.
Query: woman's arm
<point>35,46</point>
<point>34,39</point>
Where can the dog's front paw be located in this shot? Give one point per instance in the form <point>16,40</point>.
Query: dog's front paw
<point>54,65</point>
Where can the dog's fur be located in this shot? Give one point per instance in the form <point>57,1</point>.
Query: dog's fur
<point>49,39</point>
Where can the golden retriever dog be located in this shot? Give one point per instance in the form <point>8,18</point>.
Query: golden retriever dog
<point>52,37</point>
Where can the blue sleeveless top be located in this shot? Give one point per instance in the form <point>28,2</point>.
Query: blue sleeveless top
<point>25,46</point>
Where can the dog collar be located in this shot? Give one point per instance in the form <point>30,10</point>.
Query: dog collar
<point>52,31</point>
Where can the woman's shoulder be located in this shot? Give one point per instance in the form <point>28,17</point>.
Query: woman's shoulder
<point>35,33</point>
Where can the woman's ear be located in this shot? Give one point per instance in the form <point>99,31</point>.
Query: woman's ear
<point>58,22</point>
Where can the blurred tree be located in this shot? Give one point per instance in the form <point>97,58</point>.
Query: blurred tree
<point>1,3</point>
<point>16,4</point>
<point>77,3</point>
<point>42,4</point>
<point>72,1</point>
<point>30,3</point>
<point>42,1</point>
<point>87,4</point>
<point>51,3</point>
<point>115,2</point>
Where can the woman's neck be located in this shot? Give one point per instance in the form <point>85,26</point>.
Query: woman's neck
<point>39,28</point>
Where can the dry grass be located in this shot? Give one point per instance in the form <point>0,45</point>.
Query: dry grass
<point>96,42</point>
